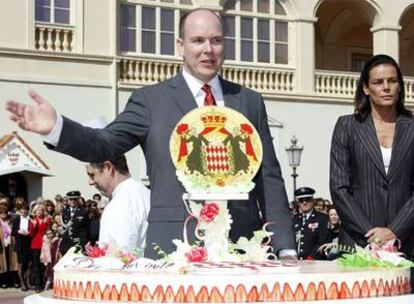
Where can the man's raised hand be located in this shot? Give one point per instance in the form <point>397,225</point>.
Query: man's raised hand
<point>39,117</point>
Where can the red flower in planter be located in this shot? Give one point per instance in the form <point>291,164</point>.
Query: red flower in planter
<point>209,212</point>
<point>94,251</point>
<point>197,254</point>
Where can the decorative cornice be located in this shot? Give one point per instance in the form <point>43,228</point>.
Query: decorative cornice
<point>385,27</point>
<point>13,52</point>
<point>306,19</point>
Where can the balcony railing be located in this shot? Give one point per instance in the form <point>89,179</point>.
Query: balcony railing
<point>340,84</point>
<point>409,88</point>
<point>330,84</point>
<point>145,71</point>
<point>142,72</point>
<point>343,84</point>
<point>52,37</point>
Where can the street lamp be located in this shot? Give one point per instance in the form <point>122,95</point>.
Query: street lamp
<point>294,153</point>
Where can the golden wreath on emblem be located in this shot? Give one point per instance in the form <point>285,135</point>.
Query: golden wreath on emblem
<point>216,150</point>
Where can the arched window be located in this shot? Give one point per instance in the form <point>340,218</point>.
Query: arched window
<point>149,27</point>
<point>256,31</point>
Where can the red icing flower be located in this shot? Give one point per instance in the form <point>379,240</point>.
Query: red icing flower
<point>197,254</point>
<point>94,251</point>
<point>209,212</point>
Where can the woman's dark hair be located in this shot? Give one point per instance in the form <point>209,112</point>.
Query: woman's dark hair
<point>362,104</point>
<point>4,208</point>
<point>330,225</point>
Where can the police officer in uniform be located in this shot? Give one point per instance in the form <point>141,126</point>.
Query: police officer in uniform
<point>311,226</point>
<point>75,223</point>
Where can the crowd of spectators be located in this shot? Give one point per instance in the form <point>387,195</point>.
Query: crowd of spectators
<point>31,237</point>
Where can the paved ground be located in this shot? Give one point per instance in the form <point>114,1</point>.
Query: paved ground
<point>13,296</point>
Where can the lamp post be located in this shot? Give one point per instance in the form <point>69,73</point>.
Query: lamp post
<point>294,152</point>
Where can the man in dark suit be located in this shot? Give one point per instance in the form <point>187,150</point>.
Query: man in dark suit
<point>311,226</point>
<point>75,222</point>
<point>149,119</point>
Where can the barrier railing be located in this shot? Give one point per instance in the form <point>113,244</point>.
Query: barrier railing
<point>52,37</point>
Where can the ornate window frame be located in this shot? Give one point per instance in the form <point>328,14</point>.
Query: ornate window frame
<point>137,31</point>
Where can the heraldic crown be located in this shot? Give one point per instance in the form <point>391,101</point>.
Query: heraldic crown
<point>216,150</point>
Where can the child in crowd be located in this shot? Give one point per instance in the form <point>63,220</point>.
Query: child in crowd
<point>48,255</point>
<point>57,229</point>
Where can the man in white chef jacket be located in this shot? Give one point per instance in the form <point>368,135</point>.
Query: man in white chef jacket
<point>124,219</point>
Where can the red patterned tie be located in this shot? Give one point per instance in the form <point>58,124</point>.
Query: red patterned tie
<point>209,99</point>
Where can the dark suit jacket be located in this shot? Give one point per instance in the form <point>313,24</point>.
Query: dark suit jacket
<point>149,119</point>
<point>364,195</point>
<point>311,234</point>
<point>22,241</point>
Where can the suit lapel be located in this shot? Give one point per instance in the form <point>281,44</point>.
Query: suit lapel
<point>402,142</point>
<point>369,139</point>
<point>181,94</point>
<point>231,94</point>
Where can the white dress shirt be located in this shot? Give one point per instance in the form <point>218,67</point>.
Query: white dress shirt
<point>24,223</point>
<point>124,219</point>
<point>386,157</point>
<point>195,86</point>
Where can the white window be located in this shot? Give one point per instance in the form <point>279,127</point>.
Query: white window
<point>150,27</point>
<point>128,28</point>
<point>52,11</point>
<point>256,31</point>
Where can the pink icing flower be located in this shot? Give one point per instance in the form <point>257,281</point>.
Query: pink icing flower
<point>197,254</point>
<point>390,246</point>
<point>127,257</point>
<point>209,212</point>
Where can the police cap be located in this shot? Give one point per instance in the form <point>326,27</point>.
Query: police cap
<point>304,192</point>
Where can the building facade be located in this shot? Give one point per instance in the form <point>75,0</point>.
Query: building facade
<point>87,56</point>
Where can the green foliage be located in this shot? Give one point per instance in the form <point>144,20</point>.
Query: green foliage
<point>364,258</point>
<point>162,254</point>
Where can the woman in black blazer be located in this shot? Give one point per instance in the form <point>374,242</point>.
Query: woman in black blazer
<point>372,160</point>
<point>20,231</point>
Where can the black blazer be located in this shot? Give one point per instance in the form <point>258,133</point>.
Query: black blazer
<point>149,119</point>
<point>364,195</point>
<point>23,242</point>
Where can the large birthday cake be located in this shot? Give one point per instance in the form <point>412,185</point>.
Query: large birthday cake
<point>230,282</point>
<point>217,151</point>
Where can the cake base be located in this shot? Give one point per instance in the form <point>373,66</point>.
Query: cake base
<point>47,298</point>
<point>312,280</point>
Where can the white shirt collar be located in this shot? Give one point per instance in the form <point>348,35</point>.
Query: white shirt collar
<point>120,185</point>
<point>195,84</point>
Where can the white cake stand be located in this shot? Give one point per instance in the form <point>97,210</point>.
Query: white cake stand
<point>46,297</point>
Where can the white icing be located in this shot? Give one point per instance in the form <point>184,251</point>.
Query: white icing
<point>307,272</point>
